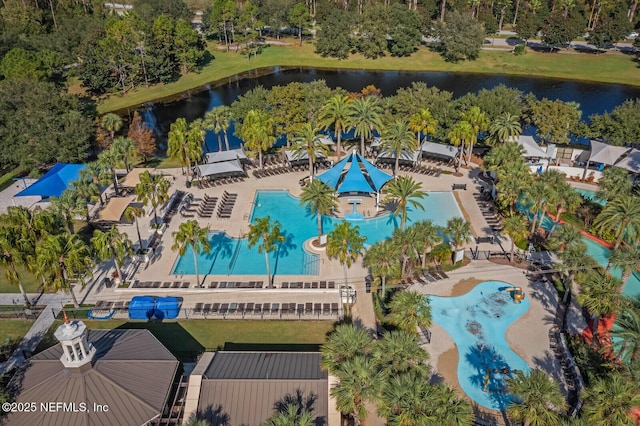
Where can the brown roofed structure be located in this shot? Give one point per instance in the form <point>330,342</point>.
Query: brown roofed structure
<point>131,374</point>
<point>246,388</point>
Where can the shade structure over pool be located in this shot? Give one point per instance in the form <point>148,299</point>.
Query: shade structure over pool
<point>432,148</point>
<point>222,168</point>
<point>530,147</point>
<point>631,162</point>
<point>55,181</point>
<point>220,156</point>
<point>355,174</point>
<point>604,153</point>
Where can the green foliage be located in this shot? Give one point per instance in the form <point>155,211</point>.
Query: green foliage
<point>148,10</point>
<point>404,28</point>
<point>559,30</point>
<point>333,38</point>
<point>528,25</point>
<point>40,125</point>
<point>520,49</point>
<point>620,125</point>
<point>22,64</point>
<point>539,400</point>
<point>555,121</point>
<point>609,31</point>
<point>495,102</point>
<point>460,38</point>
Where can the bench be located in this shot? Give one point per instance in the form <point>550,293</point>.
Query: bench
<point>462,186</point>
<point>489,239</point>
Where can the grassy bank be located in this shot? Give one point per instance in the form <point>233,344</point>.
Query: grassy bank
<point>187,339</point>
<point>606,68</point>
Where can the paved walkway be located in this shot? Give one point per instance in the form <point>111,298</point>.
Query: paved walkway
<point>53,304</point>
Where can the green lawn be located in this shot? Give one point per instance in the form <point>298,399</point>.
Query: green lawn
<point>609,68</point>
<point>187,339</point>
<point>26,277</point>
<point>14,329</point>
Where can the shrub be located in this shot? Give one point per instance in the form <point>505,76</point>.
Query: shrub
<point>520,49</point>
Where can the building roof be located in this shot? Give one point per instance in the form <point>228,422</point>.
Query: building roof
<point>220,168</point>
<point>266,365</point>
<point>55,181</point>
<point>246,388</point>
<point>114,209</point>
<point>404,155</point>
<point>531,148</point>
<point>132,374</point>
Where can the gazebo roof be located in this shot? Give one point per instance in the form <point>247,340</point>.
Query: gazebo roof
<point>114,209</point>
<point>631,162</point>
<point>604,153</point>
<point>348,176</point>
<point>133,177</point>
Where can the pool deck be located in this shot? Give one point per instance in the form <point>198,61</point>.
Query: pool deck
<point>528,336</point>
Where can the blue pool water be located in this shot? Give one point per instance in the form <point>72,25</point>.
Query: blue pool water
<point>232,256</point>
<point>477,322</point>
<point>590,195</point>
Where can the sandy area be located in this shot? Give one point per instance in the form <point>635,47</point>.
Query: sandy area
<point>464,286</point>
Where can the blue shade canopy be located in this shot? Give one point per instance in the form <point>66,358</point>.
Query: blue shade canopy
<point>331,176</point>
<point>377,176</point>
<point>355,181</point>
<point>54,182</point>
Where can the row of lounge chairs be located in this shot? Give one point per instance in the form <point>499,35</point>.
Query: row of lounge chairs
<point>278,170</point>
<point>417,168</point>
<point>207,207</point>
<point>236,284</point>
<point>430,275</point>
<point>572,376</point>
<point>488,211</point>
<point>310,285</point>
<point>227,202</point>
<point>260,309</point>
<point>159,284</point>
<point>210,183</point>
<point>102,305</point>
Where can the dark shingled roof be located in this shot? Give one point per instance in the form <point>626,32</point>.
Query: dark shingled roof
<point>132,374</point>
<point>245,388</point>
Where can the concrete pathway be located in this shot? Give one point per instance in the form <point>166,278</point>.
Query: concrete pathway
<point>30,341</point>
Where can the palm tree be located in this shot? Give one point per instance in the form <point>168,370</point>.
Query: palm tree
<point>382,259</point>
<point>181,147</point>
<point>613,183</point>
<point>306,141</point>
<point>10,258</point>
<point>625,335</point>
<point>268,236</point>
<point>626,258</point>
<point>458,231</point>
<point>191,235</point>
<point>320,200</point>
<point>505,128</point>
<point>479,123</point>
<point>112,123</point>
<point>397,138</point>
<point>422,122</point>
<point>30,226</point>
<point>85,190</point>
<point>512,179</point>
<point>344,344</point>
<point>132,213</point>
<point>399,352</point>
<point>461,134</point>
<point>291,415</point>
<point>335,112</point>
<point>600,295</point>
<point>405,240</point>
<point>219,120</point>
<point>360,382</point>
<point>197,133</point>
<point>257,132</point>
<point>502,154</point>
<point>538,400</point>
<point>535,195</point>
<point>566,236</point>
<point>152,189</point>
<point>574,260</point>
<point>428,235</point>
<point>409,310</point>
<point>566,199</point>
<point>623,215</point>
<point>125,149</point>
<point>97,174</point>
<point>517,229</point>
<point>60,258</point>
<point>67,206</point>
<point>402,192</point>
<point>109,160</point>
<point>345,243</point>
<point>609,401</point>
<point>365,116</point>
<point>112,245</point>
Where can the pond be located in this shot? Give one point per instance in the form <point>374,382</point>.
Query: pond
<point>594,98</point>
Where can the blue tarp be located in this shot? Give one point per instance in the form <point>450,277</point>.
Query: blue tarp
<point>167,307</point>
<point>55,181</point>
<point>142,307</point>
<point>331,176</point>
<point>377,176</point>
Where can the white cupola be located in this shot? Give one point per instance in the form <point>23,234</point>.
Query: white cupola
<point>76,349</point>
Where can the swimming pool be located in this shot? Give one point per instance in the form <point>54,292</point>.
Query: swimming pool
<point>232,256</point>
<point>477,322</point>
<point>590,195</point>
